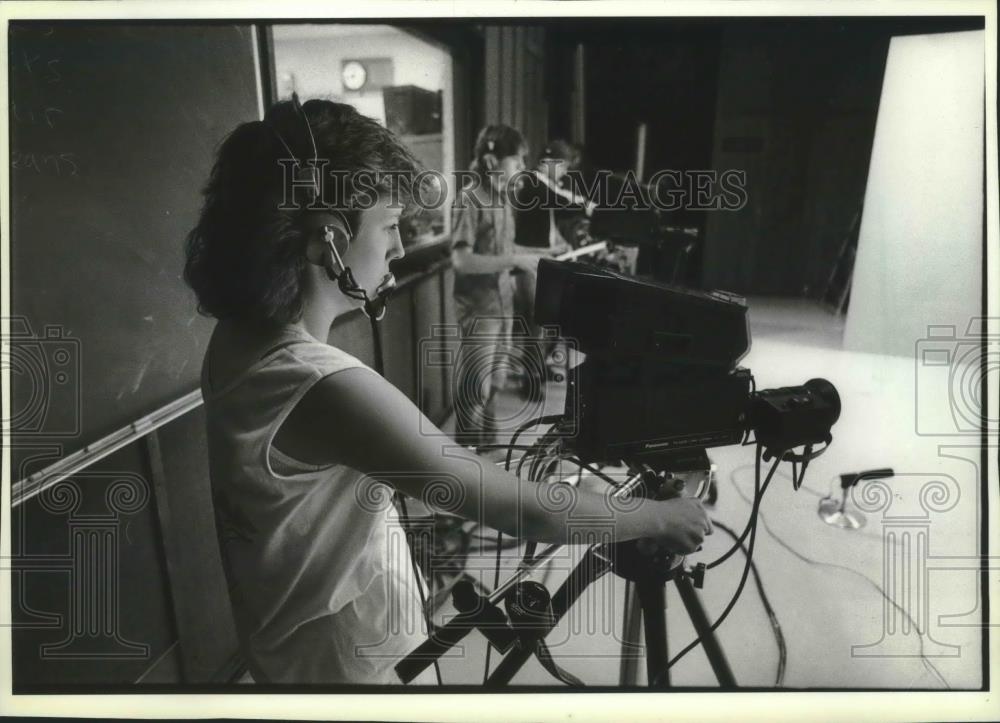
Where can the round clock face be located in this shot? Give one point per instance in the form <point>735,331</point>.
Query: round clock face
<point>354,75</point>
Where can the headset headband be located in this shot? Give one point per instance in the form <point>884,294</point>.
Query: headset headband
<point>304,173</point>
<point>345,279</point>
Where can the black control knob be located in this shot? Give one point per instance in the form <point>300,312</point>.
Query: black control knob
<point>529,605</point>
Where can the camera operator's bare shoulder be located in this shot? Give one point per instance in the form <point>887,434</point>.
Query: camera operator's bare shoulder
<point>352,417</point>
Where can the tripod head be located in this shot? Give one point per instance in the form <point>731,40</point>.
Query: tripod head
<point>646,559</point>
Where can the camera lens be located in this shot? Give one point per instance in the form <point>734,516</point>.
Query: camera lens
<point>828,393</point>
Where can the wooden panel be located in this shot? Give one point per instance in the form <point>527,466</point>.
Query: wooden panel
<point>515,92</point>
<point>450,320</point>
<point>732,237</point>
<point>507,87</point>
<point>519,86</point>
<point>397,343</point>
<point>205,625</point>
<point>428,313</point>
<point>535,106</point>
<point>492,75</point>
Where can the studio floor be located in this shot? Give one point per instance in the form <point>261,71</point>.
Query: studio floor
<point>830,588</point>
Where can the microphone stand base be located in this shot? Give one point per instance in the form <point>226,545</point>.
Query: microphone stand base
<point>831,513</point>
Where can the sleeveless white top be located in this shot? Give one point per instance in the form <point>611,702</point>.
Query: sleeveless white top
<point>317,563</point>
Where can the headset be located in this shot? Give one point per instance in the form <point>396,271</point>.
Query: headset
<point>337,240</point>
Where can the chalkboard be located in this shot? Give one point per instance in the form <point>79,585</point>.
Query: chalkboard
<point>113,133</point>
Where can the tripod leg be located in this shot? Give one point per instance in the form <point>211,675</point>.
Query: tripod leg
<point>652,598</point>
<point>628,674</point>
<point>699,619</point>
<point>589,569</point>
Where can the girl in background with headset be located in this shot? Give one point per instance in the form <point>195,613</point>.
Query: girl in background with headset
<point>484,255</point>
<point>304,440</point>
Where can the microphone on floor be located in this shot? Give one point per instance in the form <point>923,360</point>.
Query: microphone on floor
<point>834,512</point>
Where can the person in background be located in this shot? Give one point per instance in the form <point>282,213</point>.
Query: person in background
<point>573,220</point>
<point>547,199</point>
<point>545,203</point>
<point>484,256</point>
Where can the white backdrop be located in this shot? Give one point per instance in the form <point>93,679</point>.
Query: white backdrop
<point>920,250</point>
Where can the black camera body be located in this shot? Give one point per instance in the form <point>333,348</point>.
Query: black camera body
<point>620,316</point>
<point>642,411</point>
<point>660,375</point>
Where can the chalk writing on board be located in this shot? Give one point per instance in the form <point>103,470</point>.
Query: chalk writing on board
<point>53,74</point>
<point>36,110</point>
<point>62,164</point>
<point>23,29</point>
<point>48,116</point>
<point>34,63</point>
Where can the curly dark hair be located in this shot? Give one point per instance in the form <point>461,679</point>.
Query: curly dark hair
<point>498,140</point>
<point>245,259</point>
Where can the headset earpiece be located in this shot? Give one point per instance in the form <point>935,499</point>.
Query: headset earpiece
<point>336,241</point>
<point>336,237</point>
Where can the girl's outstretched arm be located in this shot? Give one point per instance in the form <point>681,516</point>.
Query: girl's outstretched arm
<point>359,419</point>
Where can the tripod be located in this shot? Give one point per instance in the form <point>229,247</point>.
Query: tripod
<point>534,615</point>
<point>646,598</point>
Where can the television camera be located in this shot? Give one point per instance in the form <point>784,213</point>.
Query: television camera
<point>659,384</point>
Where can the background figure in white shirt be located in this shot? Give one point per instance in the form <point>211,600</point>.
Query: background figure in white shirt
<point>546,201</point>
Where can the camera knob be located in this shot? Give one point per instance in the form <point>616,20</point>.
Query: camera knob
<point>529,603</point>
